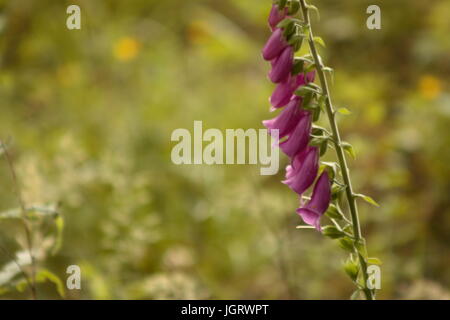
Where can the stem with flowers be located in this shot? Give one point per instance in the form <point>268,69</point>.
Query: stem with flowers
<point>304,142</point>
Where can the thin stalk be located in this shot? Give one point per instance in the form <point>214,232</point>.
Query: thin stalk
<point>339,150</point>
<point>27,226</point>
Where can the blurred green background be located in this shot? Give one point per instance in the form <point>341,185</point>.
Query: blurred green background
<point>89,114</point>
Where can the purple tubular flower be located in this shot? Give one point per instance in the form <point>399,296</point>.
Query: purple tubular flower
<point>320,200</point>
<point>276,16</point>
<point>301,173</point>
<point>286,121</point>
<point>284,90</point>
<point>298,139</point>
<point>282,65</point>
<point>274,45</point>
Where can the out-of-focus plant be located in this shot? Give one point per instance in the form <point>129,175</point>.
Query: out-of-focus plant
<point>304,143</point>
<point>41,236</point>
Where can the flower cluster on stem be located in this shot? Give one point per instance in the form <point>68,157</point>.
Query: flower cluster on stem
<point>302,102</point>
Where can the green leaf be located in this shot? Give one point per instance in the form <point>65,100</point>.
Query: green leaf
<point>336,191</point>
<point>294,7</point>
<point>298,67</point>
<point>351,268</point>
<point>347,244</point>
<point>320,41</point>
<point>361,248</point>
<point>349,149</point>
<point>323,148</point>
<point>310,67</point>
<point>374,260</point>
<point>367,199</point>
<point>332,232</point>
<point>318,130</point>
<point>282,4</point>
<point>44,275</point>
<point>59,223</point>
<point>334,212</point>
<point>316,114</point>
<point>344,111</point>
<point>330,71</point>
<point>315,9</point>
<point>317,141</point>
<point>304,90</point>
<point>284,23</point>
<point>332,168</point>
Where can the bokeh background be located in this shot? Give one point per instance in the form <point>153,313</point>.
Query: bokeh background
<point>88,116</point>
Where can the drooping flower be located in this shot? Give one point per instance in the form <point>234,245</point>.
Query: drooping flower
<point>301,174</point>
<point>287,120</point>
<point>298,139</point>
<point>276,16</point>
<point>274,45</point>
<point>282,65</point>
<point>284,90</point>
<point>320,200</point>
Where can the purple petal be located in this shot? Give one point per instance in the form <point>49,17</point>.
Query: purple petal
<point>282,66</point>
<point>274,45</point>
<point>320,200</point>
<point>310,217</point>
<point>284,90</point>
<point>298,139</point>
<point>276,16</point>
<point>286,121</point>
<point>302,174</point>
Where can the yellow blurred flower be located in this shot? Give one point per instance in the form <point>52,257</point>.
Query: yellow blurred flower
<point>126,49</point>
<point>430,87</point>
<point>198,31</point>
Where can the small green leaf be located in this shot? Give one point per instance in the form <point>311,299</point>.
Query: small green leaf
<point>332,168</point>
<point>374,260</point>
<point>315,9</point>
<point>336,191</point>
<point>284,23</point>
<point>318,130</point>
<point>367,199</point>
<point>320,41</point>
<point>304,90</point>
<point>317,141</point>
<point>334,212</point>
<point>298,67</point>
<point>282,4</point>
<point>323,148</point>
<point>316,114</point>
<point>349,149</point>
<point>344,111</point>
<point>330,71</point>
<point>59,223</point>
<point>44,275</point>
<point>347,244</point>
<point>294,7</point>
<point>361,248</point>
<point>310,67</point>
<point>351,268</point>
<point>332,232</point>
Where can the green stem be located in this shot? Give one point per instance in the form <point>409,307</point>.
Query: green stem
<point>339,150</point>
